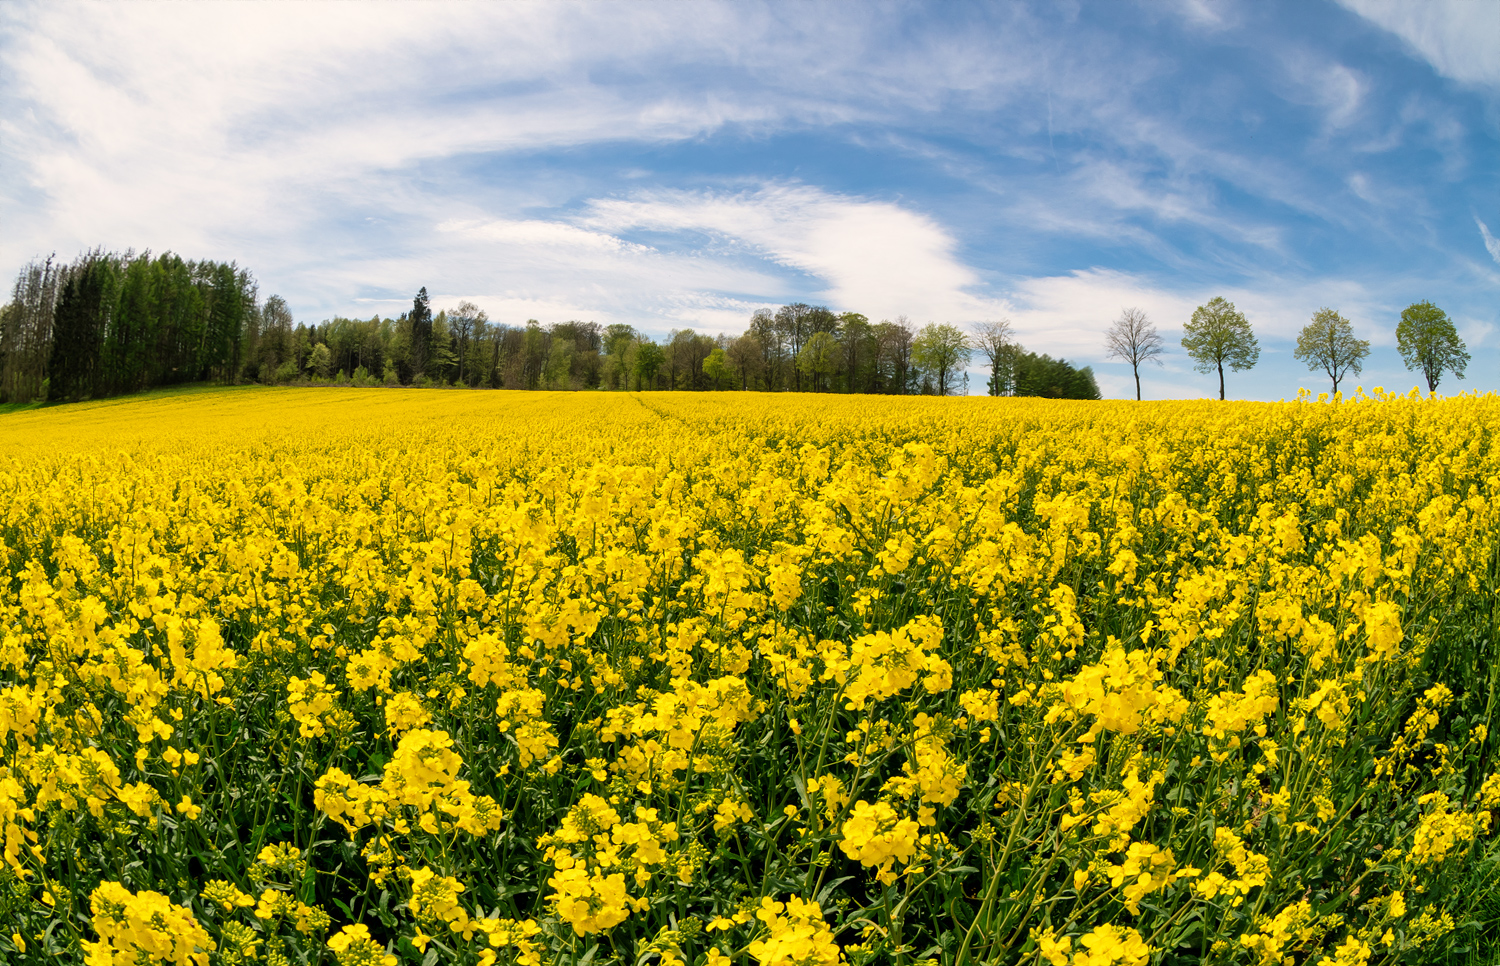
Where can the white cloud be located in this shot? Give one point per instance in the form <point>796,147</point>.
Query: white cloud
<point>236,130</point>
<point>544,234</point>
<point>552,270</point>
<point>874,257</point>
<point>1343,91</point>
<point>193,125</point>
<point>1491,243</point>
<point>1459,38</point>
<point>1067,314</point>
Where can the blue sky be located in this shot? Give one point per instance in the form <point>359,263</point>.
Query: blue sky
<point>678,165</point>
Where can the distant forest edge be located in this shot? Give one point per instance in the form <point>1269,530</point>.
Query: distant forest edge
<point>114,323</point>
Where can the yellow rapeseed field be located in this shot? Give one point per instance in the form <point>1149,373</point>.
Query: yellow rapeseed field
<point>317,676</point>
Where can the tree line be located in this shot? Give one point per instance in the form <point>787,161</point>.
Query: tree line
<point>110,323</point>
<point>797,347</point>
<point>117,322</point>
<point>1219,336</point>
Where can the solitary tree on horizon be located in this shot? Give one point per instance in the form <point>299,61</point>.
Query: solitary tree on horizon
<point>1328,343</point>
<point>1219,335</point>
<point>1429,342</point>
<point>1134,339</point>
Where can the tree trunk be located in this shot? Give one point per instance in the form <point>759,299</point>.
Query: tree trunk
<point>1221,382</point>
<point>1137,385</point>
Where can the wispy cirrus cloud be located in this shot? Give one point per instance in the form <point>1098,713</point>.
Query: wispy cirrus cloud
<point>1460,38</point>
<point>1491,243</point>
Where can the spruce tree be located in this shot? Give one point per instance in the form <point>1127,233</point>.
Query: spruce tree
<point>421,333</point>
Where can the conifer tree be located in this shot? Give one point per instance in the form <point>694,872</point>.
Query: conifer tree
<point>420,320</point>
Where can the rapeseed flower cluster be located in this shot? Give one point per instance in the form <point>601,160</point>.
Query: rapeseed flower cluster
<point>373,678</point>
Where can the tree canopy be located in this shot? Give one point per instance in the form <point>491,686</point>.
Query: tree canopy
<point>118,322</point>
<point>1430,344</point>
<point>943,350</point>
<point>1328,343</point>
<point>997,340</point>
<point>1219,335</point>
<point>1049,378</point>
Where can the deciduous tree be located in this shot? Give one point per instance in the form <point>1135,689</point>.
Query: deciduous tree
<point>462,322</point>
<point>1328,343</point>
<point>647,361</point>
<point>818,358</point>
<point>893,342</point>
<point>943,351</point>
<point>996,339</point>
<point>715,366</point>
<point>1429,342</point>
<point>855,336</point>
<point>1219,335</point>
<point>747,356</point>
<point>767,331</point>
<point>1134,339</point>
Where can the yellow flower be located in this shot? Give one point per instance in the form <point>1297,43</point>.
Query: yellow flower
<point>353,946</point>
<point>144,926</point>
<point>590,903</point>
<point>876,837</point>
<point>226,896</point>
<point>794,934</point>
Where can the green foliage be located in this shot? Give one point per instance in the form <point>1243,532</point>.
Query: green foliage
<point>1328,343</point>
<point>318,361</point>
<point>1044,376</point>
<point>113,323</point>
<point>944,351</point>
<point>420,320</point>
<point>1429,343</point>
<point>715,366</point>
<point>818,358</point>
<point>646,362</point>
<point>1219,335</point>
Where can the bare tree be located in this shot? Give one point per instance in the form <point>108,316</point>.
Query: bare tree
<point>894,341</point>
<point>995,340</point>
<point>765,330</point>
<point>1133,338</point>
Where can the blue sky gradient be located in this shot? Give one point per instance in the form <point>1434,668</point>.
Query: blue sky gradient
<point>675,165</point>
